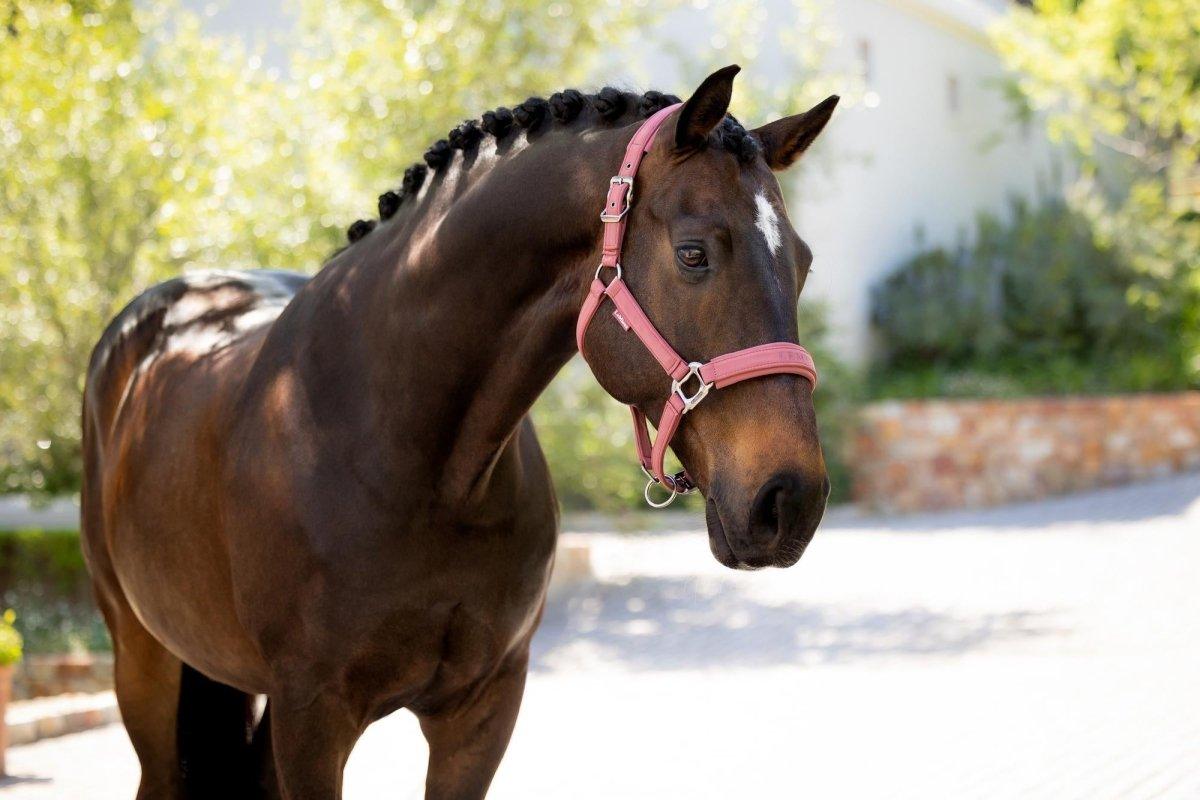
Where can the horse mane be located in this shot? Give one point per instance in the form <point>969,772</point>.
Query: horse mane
<point>609,105</point>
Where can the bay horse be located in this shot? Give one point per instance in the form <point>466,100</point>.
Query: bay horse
<point>327,492</point>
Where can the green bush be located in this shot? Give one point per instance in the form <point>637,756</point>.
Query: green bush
<point>1032,305</point>
<point>43,574</point>
<point>11,643</point>
<point>836,400</point>
<point>588,441</point>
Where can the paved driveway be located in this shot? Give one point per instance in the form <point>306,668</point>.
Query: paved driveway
<point>1041,651</point>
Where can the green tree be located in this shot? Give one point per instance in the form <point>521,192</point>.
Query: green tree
<point>383,79</point>
<point>131,147</point>
<point>1120,81</point>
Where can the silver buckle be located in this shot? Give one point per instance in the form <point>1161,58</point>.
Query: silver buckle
<point>616,180</point>
<point>690,402</point>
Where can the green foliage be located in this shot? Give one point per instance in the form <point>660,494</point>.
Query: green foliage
<point>381,82</point>
<point>1117,79</point>
<point>43,574</point>
<point>588,440</point>
<point>803,35</point>
<point>131,147</point>
<point>836,400</point>
<point>1032,305</point>
<point>11,644</point>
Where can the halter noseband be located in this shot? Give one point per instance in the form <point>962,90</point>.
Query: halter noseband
<point>690,381</point>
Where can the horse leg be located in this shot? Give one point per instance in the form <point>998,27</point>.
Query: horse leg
<point>467,741</point>
<point>147,682</point>
<point>214,725</point>
<point>311,740</point>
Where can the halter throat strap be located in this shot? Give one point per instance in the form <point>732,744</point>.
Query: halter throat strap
<point>690,381</point>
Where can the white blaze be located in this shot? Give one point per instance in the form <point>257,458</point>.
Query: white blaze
<point>768,222</point>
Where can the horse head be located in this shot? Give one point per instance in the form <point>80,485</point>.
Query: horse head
<point>710,255</point>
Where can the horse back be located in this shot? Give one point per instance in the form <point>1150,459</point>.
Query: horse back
<point>192,316</point>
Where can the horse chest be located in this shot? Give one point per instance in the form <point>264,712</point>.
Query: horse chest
<point>415,624</point>
<point>437,644</point>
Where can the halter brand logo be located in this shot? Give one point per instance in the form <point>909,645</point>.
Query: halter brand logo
<point>620,319</point>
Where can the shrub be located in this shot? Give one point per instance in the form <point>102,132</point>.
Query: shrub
<point>588,441</point>
<point>11,642</point>
<point>43,574</point>
<point>836,400</point>
<point>1032,304</point>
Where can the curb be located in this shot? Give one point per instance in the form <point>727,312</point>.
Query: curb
<point>30,721</point>
<point>572,564</point>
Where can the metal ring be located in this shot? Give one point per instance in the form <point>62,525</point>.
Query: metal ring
<point>602,266</point>
<point>664,503</point>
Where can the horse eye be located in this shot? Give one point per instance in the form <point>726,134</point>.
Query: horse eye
<point>691,257</point>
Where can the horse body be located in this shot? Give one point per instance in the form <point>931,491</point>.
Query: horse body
<point>328,491</point>
<point>290,549</point>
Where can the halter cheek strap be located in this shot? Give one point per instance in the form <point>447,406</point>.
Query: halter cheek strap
<point>690,381</point>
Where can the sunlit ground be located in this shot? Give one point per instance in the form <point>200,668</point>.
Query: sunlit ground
<point>1047,651</point>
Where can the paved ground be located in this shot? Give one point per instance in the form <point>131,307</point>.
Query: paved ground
<point>1041,651</point>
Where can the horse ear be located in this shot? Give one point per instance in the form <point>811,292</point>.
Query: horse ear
<point>785,139</point>
<point>705,109</point>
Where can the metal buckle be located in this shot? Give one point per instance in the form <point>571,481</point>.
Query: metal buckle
<point>694,400</point>
<point>616,180</point>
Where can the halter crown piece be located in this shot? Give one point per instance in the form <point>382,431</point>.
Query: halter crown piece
<point>690,381</point>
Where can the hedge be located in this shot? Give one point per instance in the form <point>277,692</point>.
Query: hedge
<point>44,579</point>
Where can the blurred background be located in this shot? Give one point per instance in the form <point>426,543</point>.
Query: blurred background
<point>1005,303</point>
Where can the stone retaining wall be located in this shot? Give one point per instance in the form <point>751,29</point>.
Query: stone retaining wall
<point>48,675</point>
<point>936,454</point>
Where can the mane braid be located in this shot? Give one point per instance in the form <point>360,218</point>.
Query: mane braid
<point>609,106</point>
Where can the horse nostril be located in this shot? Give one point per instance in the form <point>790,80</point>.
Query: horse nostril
<point>776,508</point>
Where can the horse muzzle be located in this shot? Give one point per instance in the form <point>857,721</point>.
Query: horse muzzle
<point>773,527</point>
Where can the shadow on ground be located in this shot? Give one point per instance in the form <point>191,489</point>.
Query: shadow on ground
<point>7,781</point>
<point>669,623</point>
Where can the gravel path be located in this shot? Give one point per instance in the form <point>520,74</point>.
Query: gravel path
<point>1049,650</point>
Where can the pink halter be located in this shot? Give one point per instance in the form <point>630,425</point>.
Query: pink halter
<point>722,371</point>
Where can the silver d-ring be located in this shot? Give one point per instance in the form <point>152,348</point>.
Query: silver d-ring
<point>664,503</point>
<point>602,266</point>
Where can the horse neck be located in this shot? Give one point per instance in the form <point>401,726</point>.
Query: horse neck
<point>477,313</point>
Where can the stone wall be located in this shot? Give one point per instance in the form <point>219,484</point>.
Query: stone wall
<point>936,454</point>
<point>49,675</point>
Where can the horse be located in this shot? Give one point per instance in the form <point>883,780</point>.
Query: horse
<point>327,492</point>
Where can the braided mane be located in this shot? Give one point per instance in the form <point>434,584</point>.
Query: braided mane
<point>563,107</point>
